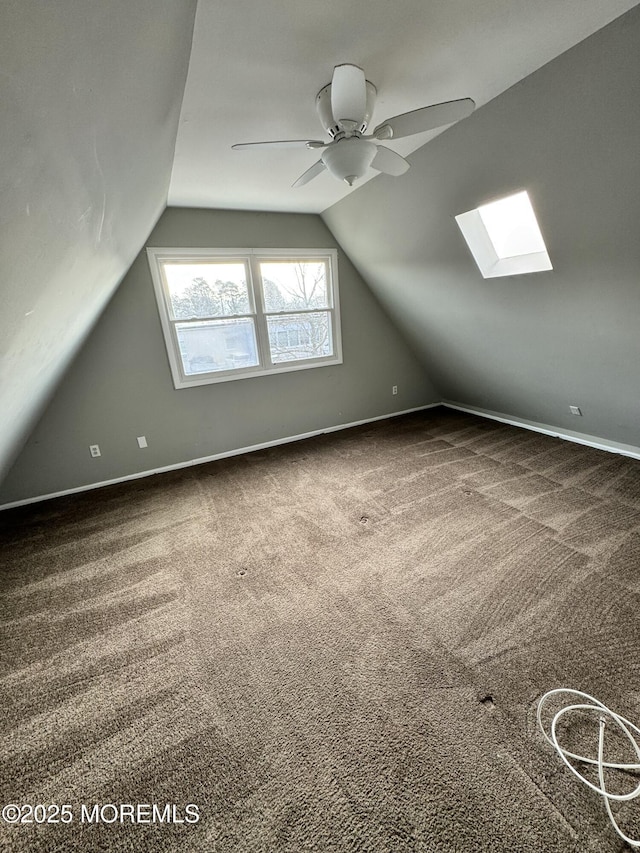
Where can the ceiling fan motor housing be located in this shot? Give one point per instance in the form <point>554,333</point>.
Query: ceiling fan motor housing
<point>323,107</point>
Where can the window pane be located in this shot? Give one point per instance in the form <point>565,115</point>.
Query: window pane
<point>293,285</point>
<point>217,345</point>
<point>300,336</point>
<point>207,289</point>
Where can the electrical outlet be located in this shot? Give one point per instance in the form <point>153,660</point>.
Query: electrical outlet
<point>142,441</point>
<point>575,410</point>
<point>94,450</point>
<point>394,390</point>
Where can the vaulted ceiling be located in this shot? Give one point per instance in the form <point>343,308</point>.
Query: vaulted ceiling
<point>98,130</point>
<point>256,68</point>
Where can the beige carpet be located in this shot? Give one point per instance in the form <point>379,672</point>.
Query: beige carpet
<point>335,645</point>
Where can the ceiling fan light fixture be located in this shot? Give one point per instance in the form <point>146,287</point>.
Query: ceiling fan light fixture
<point>348,159</point>
<point>345,106</point>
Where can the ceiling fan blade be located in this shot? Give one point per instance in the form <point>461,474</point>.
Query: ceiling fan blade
<point>426,118</point>
<point>389,162</point>
<point>281,143</point>
<point>310,174</point>
<point>348,94</point>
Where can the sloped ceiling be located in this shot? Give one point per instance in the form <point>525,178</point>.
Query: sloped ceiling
<point>91,95</point>
<point>527,346</point>
<point>256,68</point>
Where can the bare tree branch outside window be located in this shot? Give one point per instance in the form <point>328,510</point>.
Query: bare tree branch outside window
<point>297,288</point>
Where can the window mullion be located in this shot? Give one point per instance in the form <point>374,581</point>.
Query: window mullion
<point>262,331</point>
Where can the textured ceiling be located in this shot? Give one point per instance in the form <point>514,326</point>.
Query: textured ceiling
<point>256,68</point>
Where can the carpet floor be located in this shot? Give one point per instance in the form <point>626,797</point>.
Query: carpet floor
<point>333,645</point>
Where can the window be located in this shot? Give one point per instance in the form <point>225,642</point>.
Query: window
<point>232,313</point>
<point>504,237</point>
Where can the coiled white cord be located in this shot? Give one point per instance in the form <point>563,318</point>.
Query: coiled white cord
<point>606,715</point>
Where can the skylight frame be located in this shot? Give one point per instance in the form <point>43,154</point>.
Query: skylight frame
<point>477,229</point>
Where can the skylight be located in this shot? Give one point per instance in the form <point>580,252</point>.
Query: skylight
<point>504,237</point>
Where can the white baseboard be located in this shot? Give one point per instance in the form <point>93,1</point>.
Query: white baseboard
<point>204,459</point>
<point>547,429</point>
<point>568,435</point>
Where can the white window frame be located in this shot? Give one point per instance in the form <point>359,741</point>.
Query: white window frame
<point>251,258</point>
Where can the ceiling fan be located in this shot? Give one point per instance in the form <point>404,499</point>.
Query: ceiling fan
<point>345,106</point>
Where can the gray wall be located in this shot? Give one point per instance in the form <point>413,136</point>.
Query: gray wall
<point>524,346</point>
<point>120,387</point>
<point>91,95</point>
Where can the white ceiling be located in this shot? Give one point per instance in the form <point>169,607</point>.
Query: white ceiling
<point>256,68</point>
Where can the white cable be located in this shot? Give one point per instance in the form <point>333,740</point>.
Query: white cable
<point>605,715</point>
